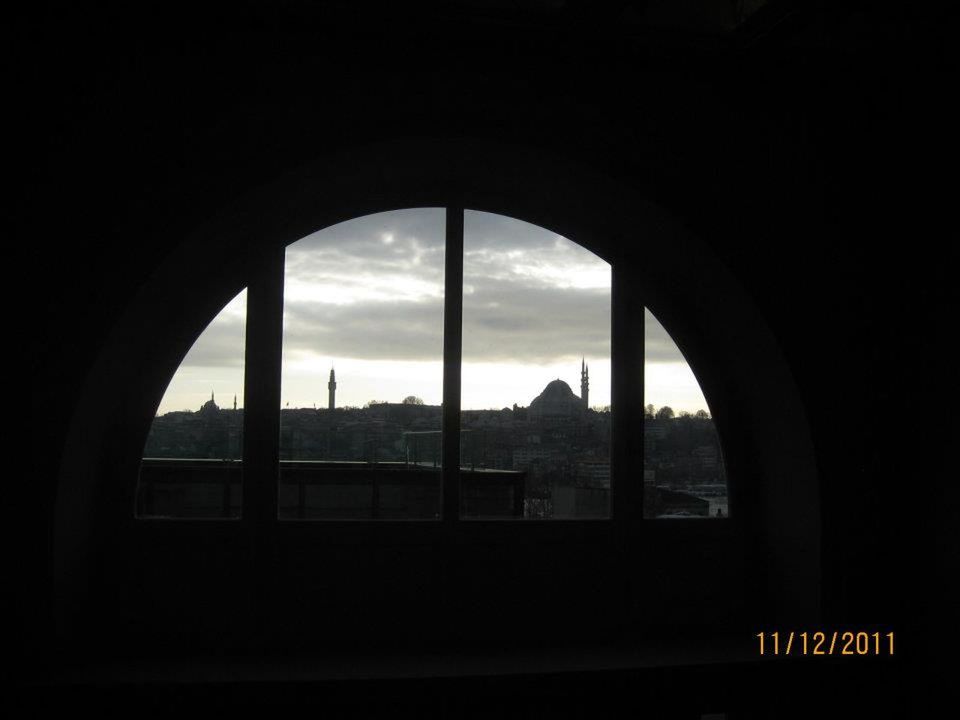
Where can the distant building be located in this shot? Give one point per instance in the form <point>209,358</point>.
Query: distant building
<point>523,456</point>
<point>584,384</point>
<point>707,455</point>
<point>556,400</point>
<point>210,433</point>
<point>592,473</point>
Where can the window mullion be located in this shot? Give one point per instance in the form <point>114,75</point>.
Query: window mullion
<point>261,436</point>
<point>452,356</point>
<point>627,394</point>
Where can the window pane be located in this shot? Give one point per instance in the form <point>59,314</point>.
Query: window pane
<point>191,464</point>
<point>362,374</point>
<point>535,422</point>
<point>683,471</point>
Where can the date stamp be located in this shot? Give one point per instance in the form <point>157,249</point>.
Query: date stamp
<point>826,643</point>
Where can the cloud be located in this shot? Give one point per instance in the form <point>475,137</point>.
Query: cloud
<point>221,345</point>
<point>372,288</point>
<point>534,322</point>
<point>375,330</point>
<point>384,244</point>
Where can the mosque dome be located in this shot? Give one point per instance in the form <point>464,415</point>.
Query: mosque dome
<point>556,399</point>
<point>209,406</point>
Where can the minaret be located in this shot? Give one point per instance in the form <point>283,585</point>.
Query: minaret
<point>332,387</point>
<point>234,402</point>
<point>584,384</point>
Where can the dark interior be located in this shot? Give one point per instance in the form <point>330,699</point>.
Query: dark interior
<point>758,174</point>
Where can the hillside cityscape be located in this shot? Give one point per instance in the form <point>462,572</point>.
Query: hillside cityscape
<point>549,459</point>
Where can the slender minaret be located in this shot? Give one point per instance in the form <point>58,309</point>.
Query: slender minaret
<point>234,402</point>
<point>332,387</point>
<point>584,384</point>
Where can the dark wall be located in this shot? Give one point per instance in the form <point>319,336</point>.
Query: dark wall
<point>803,158</point>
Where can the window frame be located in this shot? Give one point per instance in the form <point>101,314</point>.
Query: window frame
<point>657,262</point>
<point>262,393</point>
<point>260,461</point>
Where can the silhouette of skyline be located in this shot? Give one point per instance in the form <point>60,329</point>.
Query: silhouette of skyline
<point>548,458</point>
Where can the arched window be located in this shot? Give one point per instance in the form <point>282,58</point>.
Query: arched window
<point>342,270</point>
<point>364,431</point>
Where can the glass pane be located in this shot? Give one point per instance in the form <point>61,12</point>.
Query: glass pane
<point>362,374</point>
<point>535,421</point>
<point>683,470</point>
<point>191,464</point>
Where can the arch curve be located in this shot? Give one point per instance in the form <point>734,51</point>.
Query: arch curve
<point>733,354</point>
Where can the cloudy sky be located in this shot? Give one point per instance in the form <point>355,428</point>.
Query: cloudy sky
<point>366,297</point>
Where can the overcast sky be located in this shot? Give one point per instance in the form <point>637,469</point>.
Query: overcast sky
<point>366,297</point>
